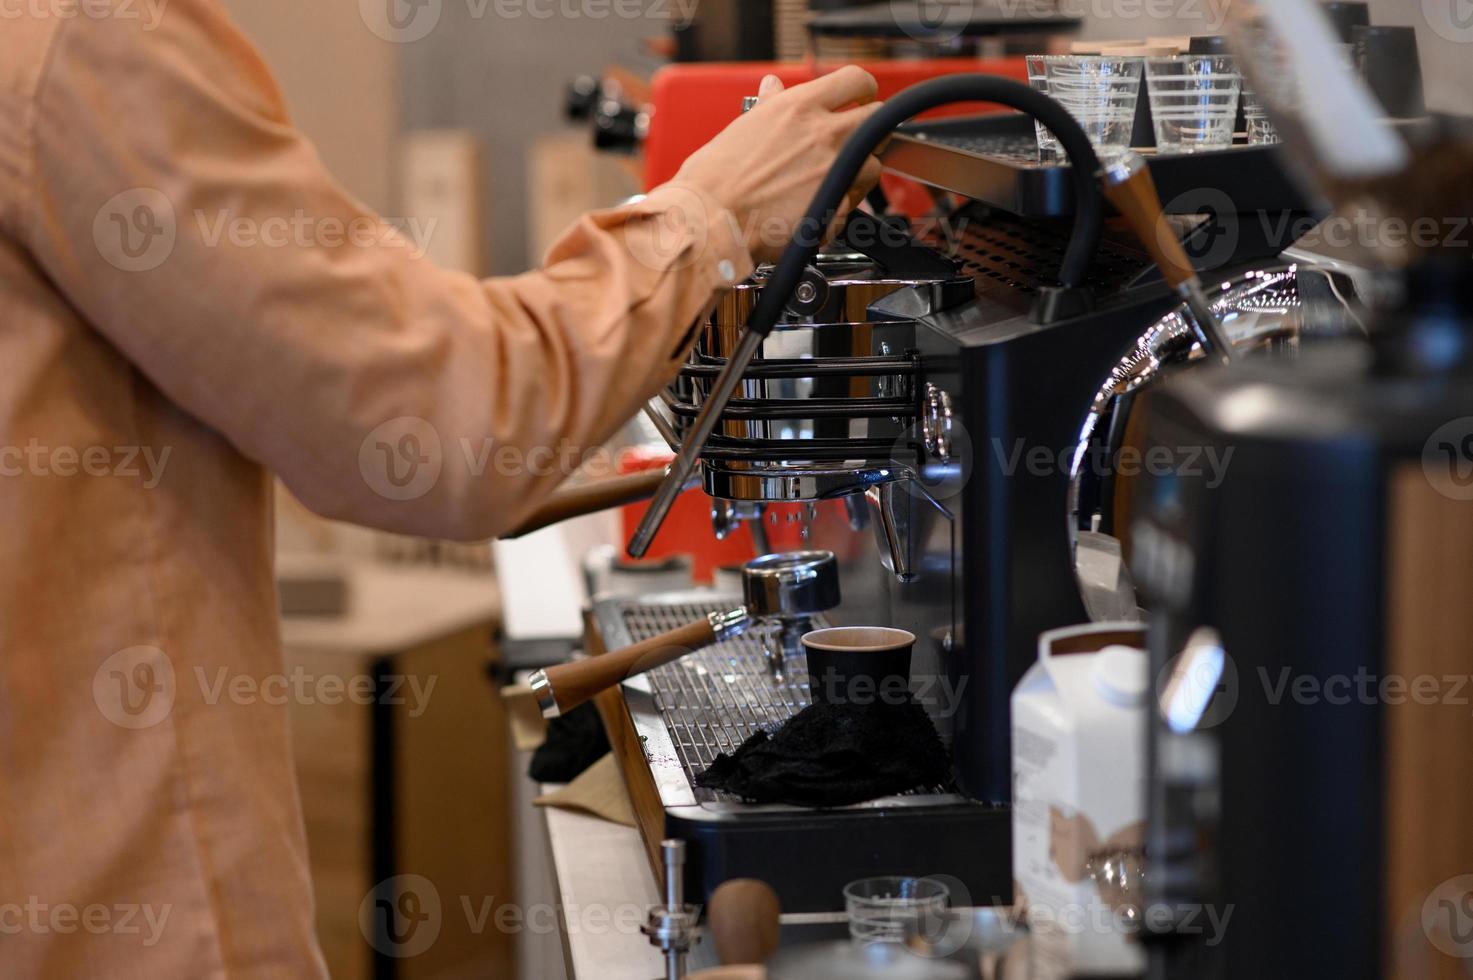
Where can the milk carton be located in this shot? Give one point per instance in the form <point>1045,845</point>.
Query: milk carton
<point>1079,737</point>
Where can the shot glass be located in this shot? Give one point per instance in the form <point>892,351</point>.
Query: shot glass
<point>1101,93</point>
<point>1194,101</point>
<point>1260,128</point>
<point>885,910</point>
<point>1038,81</point>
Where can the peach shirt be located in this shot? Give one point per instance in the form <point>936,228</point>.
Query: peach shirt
<point>188,304</point>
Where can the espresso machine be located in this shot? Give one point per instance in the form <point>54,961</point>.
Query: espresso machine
<point>916,397</point>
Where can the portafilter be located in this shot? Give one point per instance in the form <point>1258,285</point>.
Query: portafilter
<point>782,593</point>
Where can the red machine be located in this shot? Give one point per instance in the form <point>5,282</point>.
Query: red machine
<point>691,103</point>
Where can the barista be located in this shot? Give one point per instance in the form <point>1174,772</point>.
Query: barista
<point>161,365</point>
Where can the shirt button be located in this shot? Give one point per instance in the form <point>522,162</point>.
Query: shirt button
<point>726,270</point>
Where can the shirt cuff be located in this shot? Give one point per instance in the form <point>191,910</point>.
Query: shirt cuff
<point>715,244</point>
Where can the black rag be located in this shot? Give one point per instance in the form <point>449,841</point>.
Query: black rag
<point>836,755</point>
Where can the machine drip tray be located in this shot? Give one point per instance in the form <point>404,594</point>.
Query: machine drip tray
<point>668,725</point>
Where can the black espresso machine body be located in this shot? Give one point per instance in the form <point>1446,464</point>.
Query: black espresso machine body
<point>1011,395</point>
<point>1017,392</point>
<point>973,556</point>
<point>1311,617</point>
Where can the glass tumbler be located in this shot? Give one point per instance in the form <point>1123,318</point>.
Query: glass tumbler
<point>1101,93</point>
<point>885,910</point>
<point>1038,81</point>
<point>1194,101</point>
<point>1260,128</point>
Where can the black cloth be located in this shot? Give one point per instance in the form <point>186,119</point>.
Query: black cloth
<point>836,755</point>
<point>575,741</point>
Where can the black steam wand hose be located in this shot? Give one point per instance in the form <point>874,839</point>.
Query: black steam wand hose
<point>821,213</point>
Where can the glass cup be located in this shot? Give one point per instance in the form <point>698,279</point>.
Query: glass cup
<point>1038,81</point>
<point>1261,129</point>
<point>1101,93</point>
<point>885,910</point>
<point>1194,101</point>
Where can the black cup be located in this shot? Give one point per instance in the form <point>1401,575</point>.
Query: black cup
<point>1346,17</point>
<point>1388,59</point>
<point>1209,44</point>
<point>859,665</point>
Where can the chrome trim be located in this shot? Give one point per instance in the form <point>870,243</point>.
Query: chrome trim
<point>794,482</point>
<point>542,690</point>
<point>1263,312</point>
<point>730,623</point>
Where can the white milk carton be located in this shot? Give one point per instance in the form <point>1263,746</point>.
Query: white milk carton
<point>1079,742</point>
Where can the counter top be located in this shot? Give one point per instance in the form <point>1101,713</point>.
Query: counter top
<point>605,889</point>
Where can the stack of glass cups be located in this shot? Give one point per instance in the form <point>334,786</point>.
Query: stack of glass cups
<point>1194,101</point>
<point>1038,81</point>
<point>1101,93</point>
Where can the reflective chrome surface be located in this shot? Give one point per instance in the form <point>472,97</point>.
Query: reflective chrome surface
<point>795,583</point>
<point>1266,313</point>
<point>795,481</point>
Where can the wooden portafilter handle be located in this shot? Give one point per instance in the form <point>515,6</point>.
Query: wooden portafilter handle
<point>1128,185</point>
<point>743,918</point>
<point>561,688</point>
<point>590,498</point>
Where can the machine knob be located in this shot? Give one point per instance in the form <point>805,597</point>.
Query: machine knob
<point>619,127</point>
<point>936,423</point>
<point>580,97</point>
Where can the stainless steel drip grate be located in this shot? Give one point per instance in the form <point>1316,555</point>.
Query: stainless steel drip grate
<point>714,699</point>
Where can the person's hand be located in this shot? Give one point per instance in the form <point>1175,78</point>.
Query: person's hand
<point>766,166</point>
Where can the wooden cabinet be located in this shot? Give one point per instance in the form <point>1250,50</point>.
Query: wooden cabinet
<point>403,759</point>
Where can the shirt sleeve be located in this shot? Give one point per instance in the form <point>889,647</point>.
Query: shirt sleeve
<point>174,206</point>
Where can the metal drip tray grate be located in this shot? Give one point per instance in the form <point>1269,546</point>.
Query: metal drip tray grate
<point>685,713</point>
<point>711,701</point>
<point>716,698</point>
